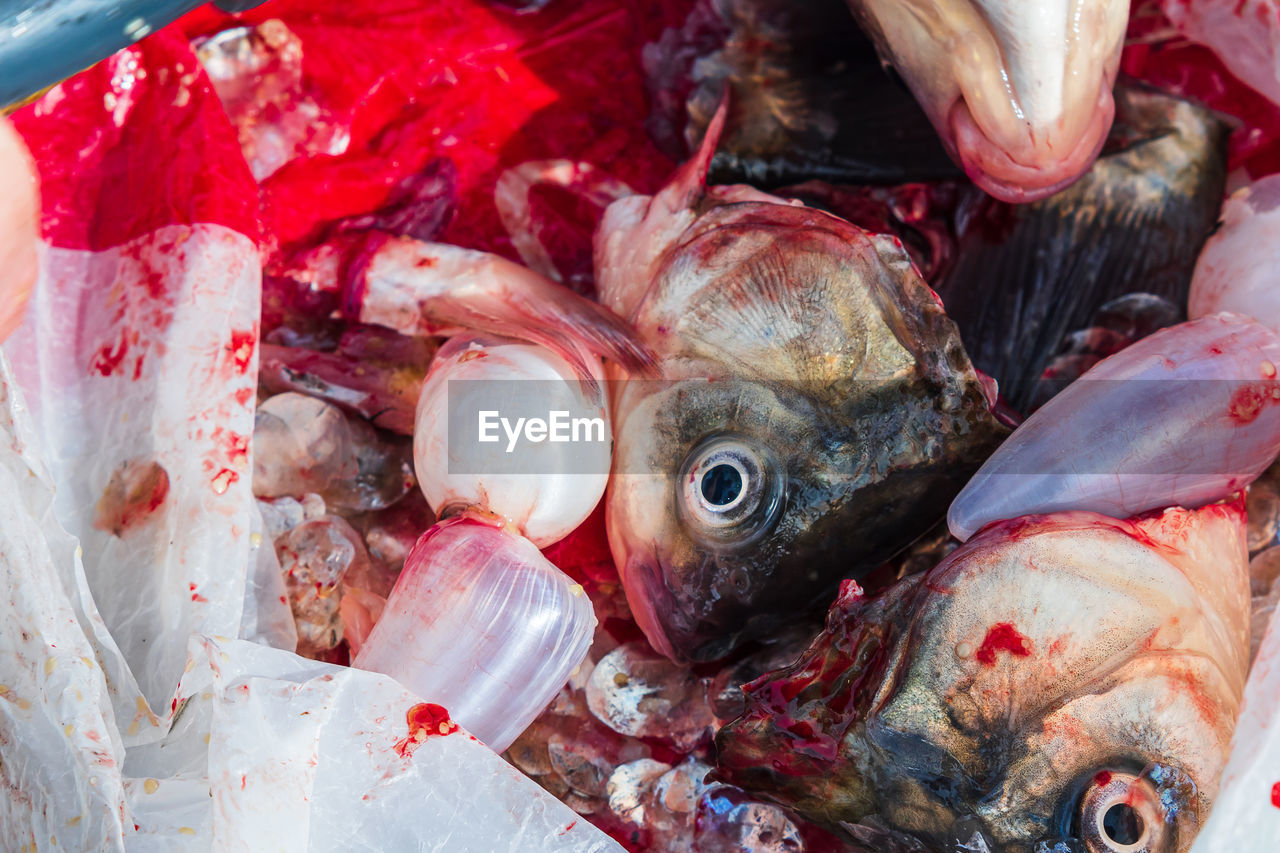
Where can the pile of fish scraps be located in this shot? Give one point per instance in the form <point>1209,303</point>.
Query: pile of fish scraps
<point>681,425</point>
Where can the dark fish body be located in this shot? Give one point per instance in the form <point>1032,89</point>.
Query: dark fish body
<point>1026,276</point>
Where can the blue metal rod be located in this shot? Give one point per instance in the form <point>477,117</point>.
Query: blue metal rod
<point>45,41</point>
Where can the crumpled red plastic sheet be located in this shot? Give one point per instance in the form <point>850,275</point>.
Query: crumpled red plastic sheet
<point>470,81</point>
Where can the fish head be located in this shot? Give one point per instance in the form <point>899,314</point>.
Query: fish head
<point>1019,91</point>
<point>815,412</point>
<point>1067,676</point>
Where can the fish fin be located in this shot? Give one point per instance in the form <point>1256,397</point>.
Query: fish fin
<point>578,330</point>
<point>856,127</point>
<point>689,182</point>
<point>420,288</point>
<point>636,231</point>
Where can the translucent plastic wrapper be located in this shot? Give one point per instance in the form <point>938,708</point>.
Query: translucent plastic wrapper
<point>482,622</point>
<point>173,393</point>
<point>315,757</point>
<point>62,749</point>
<point>137,358</point>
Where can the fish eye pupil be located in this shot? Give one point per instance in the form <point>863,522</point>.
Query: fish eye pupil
<point>1123,824</point>
<point>721,485</point>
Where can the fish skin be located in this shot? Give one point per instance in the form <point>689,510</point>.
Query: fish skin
<point>1000,684</point>
<point>809,342</point>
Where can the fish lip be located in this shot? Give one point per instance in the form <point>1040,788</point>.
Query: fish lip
<point>636,572</point>
<point>995,170</point>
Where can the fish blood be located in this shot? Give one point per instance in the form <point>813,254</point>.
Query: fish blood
<point>136,490</point>
<point>425,720</point>
<point>1247,403</point>
<point>1002,637</point>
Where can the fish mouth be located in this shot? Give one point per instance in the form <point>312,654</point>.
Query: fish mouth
<point>1032,164</point>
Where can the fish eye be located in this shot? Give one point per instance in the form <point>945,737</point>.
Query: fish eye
<point>1122,813</point>
<point>730,490</point>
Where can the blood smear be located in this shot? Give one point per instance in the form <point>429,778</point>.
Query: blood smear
<point>1002,637</point>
